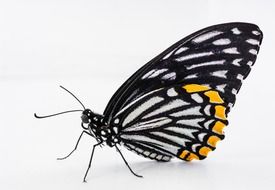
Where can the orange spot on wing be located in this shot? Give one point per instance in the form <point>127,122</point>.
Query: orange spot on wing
<point>214,97</point>
<point>220,112</point>
<point>190,88</point>
<point>183,154</point>
<point>204,151</point>
<point>218,127</point>
<point>212,141</point>
<point>192,156</point>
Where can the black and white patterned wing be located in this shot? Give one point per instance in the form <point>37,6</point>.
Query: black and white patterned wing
<point>184,121</point>
<point>219,56</point>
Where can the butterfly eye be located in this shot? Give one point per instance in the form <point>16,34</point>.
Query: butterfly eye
<point>85,118</point>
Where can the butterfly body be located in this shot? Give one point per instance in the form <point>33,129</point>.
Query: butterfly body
<point>177,104</point>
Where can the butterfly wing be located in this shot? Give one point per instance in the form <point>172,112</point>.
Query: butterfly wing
<point>219,57</point>
<point>184,121</point>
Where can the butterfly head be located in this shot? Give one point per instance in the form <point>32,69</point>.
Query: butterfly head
<point>94,125</point>
<point>92,122</point>
<point>86,116</point>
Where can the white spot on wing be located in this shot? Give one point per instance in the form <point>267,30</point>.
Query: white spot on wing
<point>232,50</point>
<point>195,55</point>
<point>159,157</point>
<point>221,74</point>
<point>253,42</point>
<point>234,91</point>
<point>223,41</point>
<point>236,31</point>
<point>206,85</point>
<point>206,36</point>
<point>171,105</point>
<point>184,131</point>
<point>190,111</point>
<point>240,77</point>
<point>115,130</point>
<point>182,49</point>
<point>255,32</point>
<point>116,121</point>
<point>253,51</point>
<point>171,92</point>
<point>153,155</point>
<point>237,62</point>
<point>166,158</point>
<point>207,123</point>
<point>219,62</point>
<point>169,76</point>
<point>201,136</point>
<point>191,76</point>
<point>221,87</point>
<point>197,98</point>
<point>250,63</point>
<point>207,110</point>
<point>139,110</point>
<point>194,147</point>
<point>146,153</point>
<point>139,150</point>
<point>191,122</point>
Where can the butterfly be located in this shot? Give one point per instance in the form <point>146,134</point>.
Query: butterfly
<point>177,104</point>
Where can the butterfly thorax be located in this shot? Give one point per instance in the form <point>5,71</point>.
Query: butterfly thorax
<point>96,125</point>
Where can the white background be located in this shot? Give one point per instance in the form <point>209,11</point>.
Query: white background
<point>91,47</point>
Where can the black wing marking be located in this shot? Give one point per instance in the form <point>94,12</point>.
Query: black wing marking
<point>184,121</point>
<point>219,56</point>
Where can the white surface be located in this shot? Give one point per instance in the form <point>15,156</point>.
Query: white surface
<point>91,47</point>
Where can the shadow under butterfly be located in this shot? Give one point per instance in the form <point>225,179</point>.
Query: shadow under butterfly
<point>176,105</point>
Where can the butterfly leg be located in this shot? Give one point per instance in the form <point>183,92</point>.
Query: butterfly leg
<point>75,146</point>
<point>90,162</point>
<point>127,163</point>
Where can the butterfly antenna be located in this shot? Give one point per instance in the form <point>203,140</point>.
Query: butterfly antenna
<point>41,117</point>
<point>73,96</point>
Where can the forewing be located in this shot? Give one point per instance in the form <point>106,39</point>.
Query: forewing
<point>219,56</point>
<point>184,121</point>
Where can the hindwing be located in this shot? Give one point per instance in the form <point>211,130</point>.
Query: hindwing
<point>184,121</point>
